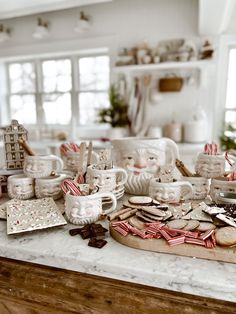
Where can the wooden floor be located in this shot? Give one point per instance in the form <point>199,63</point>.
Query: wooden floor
<point>27,288</point>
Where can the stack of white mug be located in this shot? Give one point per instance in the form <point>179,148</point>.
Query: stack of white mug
<point>101,175</point>
<point>42,177</point>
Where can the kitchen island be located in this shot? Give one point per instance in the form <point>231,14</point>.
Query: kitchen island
<point>51,272</point>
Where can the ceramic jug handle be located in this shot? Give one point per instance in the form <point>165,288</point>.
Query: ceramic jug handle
<point>187,191</point>
<point>173,148</point>
<point>113,199</point>
<point>95,156</point>
<point>59,162</point>
<point>124,176</point>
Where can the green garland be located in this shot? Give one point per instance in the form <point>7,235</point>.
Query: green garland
<point>117,114</point>
<point>228,142</point>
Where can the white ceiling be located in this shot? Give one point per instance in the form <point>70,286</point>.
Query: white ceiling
<point>15,8</point>
<point>221,18</point>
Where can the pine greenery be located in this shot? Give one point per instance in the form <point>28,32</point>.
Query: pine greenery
<point>117,114</point>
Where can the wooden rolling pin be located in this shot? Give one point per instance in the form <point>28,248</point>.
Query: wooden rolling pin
<point>26,147</point>
<point>182,169</point>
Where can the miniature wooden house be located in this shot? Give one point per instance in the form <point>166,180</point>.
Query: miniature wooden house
<point>14,153</point>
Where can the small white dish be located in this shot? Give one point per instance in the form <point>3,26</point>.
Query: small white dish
<point>225,198</point>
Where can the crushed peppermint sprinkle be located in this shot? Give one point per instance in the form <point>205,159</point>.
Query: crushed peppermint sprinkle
<point>176,240</point>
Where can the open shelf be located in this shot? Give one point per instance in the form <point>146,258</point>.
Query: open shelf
<point>201,64</point>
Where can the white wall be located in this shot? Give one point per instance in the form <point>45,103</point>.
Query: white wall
<point>118,24</point>
<point>127,21</point>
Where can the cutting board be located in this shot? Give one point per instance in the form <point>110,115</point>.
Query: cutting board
<point>218,253</point>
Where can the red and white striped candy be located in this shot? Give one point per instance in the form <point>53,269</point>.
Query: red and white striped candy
<point>232,176</point>
<point>214,148</point>
<point>176,240</point>
<point>121,231</point>
<point>206,234</point>
<point>207,149</point>
<point>227,159</point>
<point>165,234</point>
<point>69,186</point>
<point>194,241</point>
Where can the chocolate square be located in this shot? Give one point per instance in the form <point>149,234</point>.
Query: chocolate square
<point>97,243</point>
<point>75,231</point>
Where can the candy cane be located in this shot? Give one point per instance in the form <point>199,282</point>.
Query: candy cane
<point>80,179</point>
<point>206,149</point>
<point>227,158</point>
<point>69,147</point>
<point>69,185</point>
<point>214,148</point>
<point>232,176</point>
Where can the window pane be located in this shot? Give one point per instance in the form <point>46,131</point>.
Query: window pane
<point>23,108</point>
<point>22,77</point>
<point>89,104</point>
<point>230,118</point>
<point>57,75</point>
<point>231,90</point>
<point>94,73</point>
<point>57,108</point>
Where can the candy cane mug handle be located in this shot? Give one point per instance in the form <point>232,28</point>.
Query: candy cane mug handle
<point>59,161</point>
<point>109,195</point>
<point>124,175</point>
<point>187,191</point>
<point>95,156</point>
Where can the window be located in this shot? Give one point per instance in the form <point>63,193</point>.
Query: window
<point>94,83</point>
<point>230,106</point>
<point>22,92</point>
<point>57,85</point>
<point>52,91</point>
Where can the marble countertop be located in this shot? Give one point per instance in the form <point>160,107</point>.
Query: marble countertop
<point>55,247</point>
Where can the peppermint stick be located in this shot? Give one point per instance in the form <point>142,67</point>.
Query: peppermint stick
<point>227,159</point>
<point>79,176</point>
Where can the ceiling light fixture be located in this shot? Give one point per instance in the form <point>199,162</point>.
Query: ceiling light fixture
<point>4,33</point>
<point>41,30</point>
<point>83,24</point>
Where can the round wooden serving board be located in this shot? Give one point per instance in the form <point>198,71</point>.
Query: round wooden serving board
<point>159,245</point>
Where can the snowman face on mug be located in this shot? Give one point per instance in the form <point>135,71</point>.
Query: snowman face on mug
<point>35,166</point>
<point>141,160</point>
<point>200,189</point>
<point>210,166</point>
<point>49,189</point>
<point>85,211</point>
<point>222,186</point>
<point>166,194</point>
<point>104,181</point>
<point>22,190</point>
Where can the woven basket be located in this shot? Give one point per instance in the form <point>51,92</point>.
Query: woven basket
<point>170,84</point>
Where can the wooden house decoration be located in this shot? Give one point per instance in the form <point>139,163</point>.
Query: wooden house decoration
<point>14,153</point>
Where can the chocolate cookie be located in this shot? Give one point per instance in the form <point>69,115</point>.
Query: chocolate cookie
<point>140,200</point>
<point>191,225</point>
<point>226,236</point>
<point>204,226</point>
<point>177,224</point>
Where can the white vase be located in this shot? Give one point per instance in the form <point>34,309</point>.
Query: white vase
<point>117,132</point>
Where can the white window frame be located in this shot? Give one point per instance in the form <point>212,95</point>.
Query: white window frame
<point>226,43</point>
<point>37,61</point>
